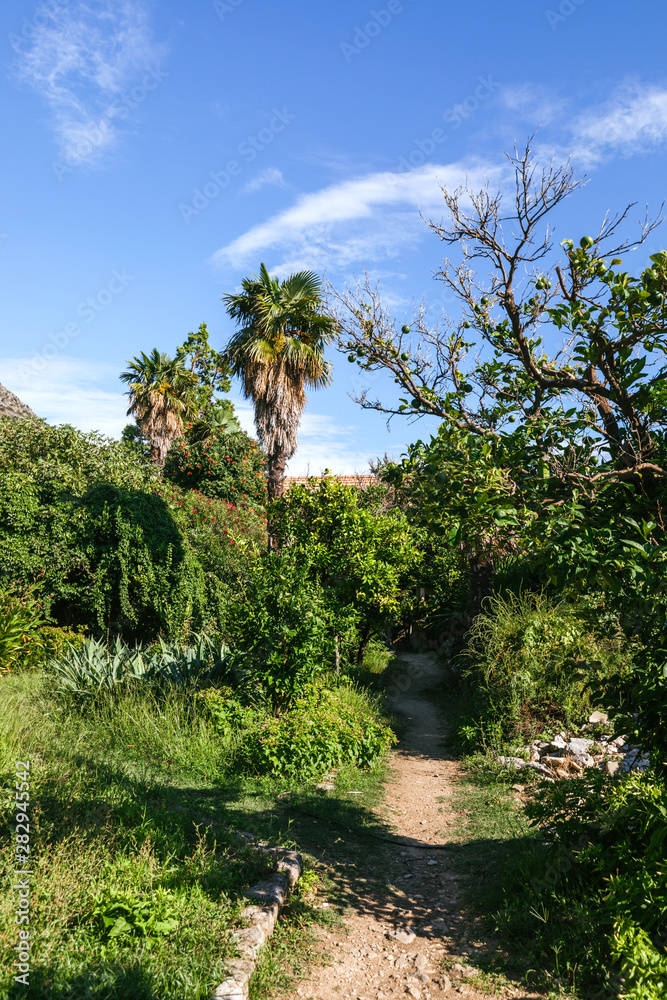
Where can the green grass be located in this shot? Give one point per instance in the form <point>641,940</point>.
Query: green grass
<point>134,809</point>
<point>100,832</point>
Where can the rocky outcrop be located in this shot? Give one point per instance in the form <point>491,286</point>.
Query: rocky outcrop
<point>12,406</point>
<point>565,756</point>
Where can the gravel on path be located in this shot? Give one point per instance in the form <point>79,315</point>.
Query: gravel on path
<point>395,943</point>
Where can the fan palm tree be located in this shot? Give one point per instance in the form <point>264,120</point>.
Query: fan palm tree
<point>161,391</point>
<point>278,353</point>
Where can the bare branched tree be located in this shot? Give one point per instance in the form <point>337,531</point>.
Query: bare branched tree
<point>523,294</point>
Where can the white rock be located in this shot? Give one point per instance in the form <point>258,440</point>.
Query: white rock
<point>598,717</point>
<point>404,935</point>
<point>440,926</point>
<point>540,768</point>
<point>578,745</point>
<point>511,762</point>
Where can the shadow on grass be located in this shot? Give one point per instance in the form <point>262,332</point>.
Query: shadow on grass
<point>111,982</point>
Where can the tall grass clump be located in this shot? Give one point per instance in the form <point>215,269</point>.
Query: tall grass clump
<point>530,658</point>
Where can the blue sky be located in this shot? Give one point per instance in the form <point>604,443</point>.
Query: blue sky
<point>155,154</point>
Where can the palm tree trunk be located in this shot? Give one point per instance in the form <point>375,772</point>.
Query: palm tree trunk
<point>276,478</point>
<point>274,487</point>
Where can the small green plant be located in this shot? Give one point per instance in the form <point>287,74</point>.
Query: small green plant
<point>21,620</point>
<point>642,964</point>
<point>116,914</point>
<point>226,709</point>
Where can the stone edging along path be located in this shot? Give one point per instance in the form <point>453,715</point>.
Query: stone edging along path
<point>270,895</point>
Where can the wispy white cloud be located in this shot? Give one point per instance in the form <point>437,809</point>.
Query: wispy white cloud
<point>633,121</point>
<point>69,391</point>
<point>368,218</point>
<point>269,177</point>
<point>80,60</point>
<point>533,103</point>
<point>326,444</point>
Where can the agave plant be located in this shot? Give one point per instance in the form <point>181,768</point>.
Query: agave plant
<point>97,667</point>
<point>179,665</point>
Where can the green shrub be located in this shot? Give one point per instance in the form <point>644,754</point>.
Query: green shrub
<point>638,707</point>
<point>529,656</point>
<point>114,548</point>
<point>608,846</point>
<point>226,467</point>
<point>643,966</point>
<point>26,639</point>
<point>20,623</point>
<point>358,553</point>
<point>281,634</point>
<point>322,730</point>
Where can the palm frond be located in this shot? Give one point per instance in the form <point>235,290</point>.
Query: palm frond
<point>278,351</point>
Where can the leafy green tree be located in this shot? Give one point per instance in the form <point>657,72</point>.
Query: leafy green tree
<point>214,411</point>
<point>359,555</point>
<point>278,353</point>
<point>536,436</point>
<point>163,394</point>
<point>111,545</point>
<point>227,466</point>
<point>280,634</point>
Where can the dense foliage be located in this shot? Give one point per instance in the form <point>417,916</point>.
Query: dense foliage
<point>225,466</point>
<point>530,659</point>
<point>113,547</point>
<point>357,552</point>
<point>281,633</point>
<point>548,474</point>
<point>324,730</point>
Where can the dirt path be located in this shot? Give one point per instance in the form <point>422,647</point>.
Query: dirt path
<point>396,939</point>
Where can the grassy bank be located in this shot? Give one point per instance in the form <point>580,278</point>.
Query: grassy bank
<point>139,828</point>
